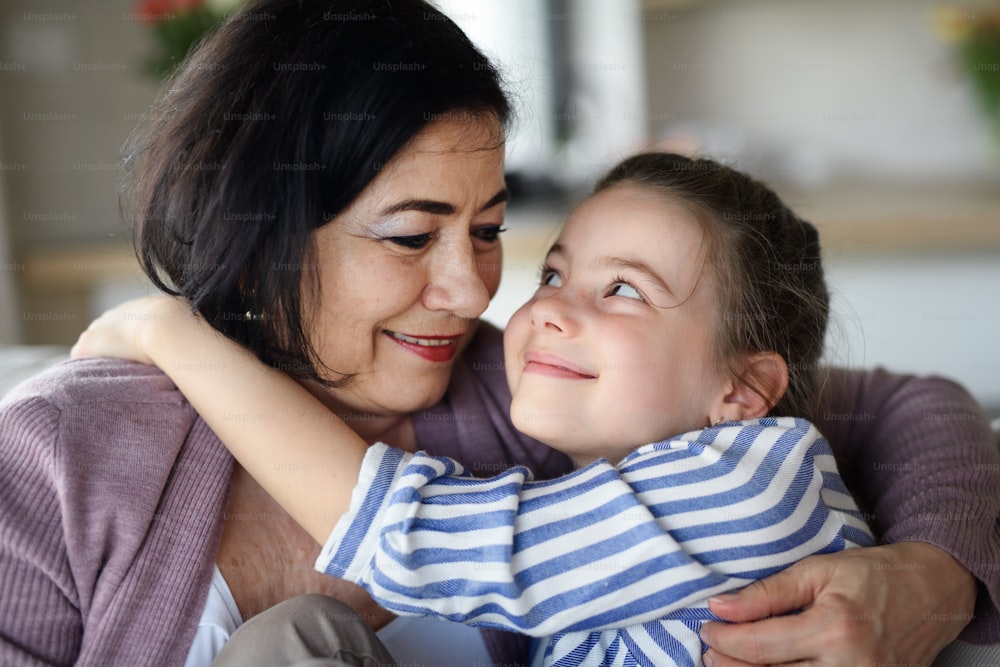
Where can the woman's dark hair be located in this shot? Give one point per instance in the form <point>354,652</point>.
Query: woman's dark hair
<point>765,261</point>
<point>270,128</point>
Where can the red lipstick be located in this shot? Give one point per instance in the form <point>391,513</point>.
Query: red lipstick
<point>436,349</point>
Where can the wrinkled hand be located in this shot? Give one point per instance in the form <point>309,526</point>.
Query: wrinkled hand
<point>895,604</point>
<point>123,331</point>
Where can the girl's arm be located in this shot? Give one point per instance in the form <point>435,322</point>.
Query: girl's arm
<point>301,453</point>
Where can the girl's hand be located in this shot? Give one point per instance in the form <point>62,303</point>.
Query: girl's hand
<point>124,331</point>
<point>895,604</point>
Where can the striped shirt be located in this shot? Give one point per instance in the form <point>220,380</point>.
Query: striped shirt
<point>609,565</point>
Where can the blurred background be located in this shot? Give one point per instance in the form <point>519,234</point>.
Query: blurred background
<point>879,120</point>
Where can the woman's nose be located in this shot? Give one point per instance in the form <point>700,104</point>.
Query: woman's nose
<point>455,283</point>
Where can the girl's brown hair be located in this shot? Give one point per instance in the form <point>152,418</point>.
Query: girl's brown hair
<point>765,261</point>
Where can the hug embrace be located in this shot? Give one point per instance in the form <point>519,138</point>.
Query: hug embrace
<point>668,361</point>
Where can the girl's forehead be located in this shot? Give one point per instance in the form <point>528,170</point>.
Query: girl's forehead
<point>627,230</point>
<point>631,216</point>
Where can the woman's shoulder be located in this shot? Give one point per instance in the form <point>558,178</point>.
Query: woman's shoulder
<point>91,409</point>
<point>81,381</point>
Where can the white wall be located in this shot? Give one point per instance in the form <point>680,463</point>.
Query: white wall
<point>816,89</point>
<point>936,314</point>
<point>72,92</point>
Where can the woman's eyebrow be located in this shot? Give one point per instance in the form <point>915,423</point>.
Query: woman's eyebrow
<point>434,207</point>
<point>500,197</point>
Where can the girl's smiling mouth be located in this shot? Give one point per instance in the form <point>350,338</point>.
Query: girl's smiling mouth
<point>545,363</point>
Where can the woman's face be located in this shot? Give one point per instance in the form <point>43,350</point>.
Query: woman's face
<point>409,266</point>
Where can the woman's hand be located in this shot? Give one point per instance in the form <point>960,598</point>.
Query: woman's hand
<point>895,604</point>
<point>123,331</point>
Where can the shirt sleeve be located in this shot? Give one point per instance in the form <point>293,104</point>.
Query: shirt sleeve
<point>602,547</point>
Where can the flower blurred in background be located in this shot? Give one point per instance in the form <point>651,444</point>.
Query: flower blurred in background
<point>177,26</point>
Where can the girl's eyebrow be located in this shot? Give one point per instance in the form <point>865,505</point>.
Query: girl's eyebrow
<point>640,267</point>
<point>440,207</point>
<point>622,263</point>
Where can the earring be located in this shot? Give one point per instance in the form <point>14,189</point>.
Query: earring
<point>721,419</point>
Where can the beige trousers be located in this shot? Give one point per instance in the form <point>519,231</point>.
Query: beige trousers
<point>306,631</point>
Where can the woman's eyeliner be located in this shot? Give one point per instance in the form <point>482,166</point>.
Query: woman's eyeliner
<point>414,242</point>
<point>490,234</point>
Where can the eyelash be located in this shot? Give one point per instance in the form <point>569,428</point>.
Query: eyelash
<point>415,242</point>
<point>620,280</point>
<point>546,272</point>
<point>489,234</point>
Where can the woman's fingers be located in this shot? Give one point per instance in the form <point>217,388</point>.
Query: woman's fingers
<point>860,606</point>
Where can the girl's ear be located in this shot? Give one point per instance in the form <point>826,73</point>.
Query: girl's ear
<point>758,388</point>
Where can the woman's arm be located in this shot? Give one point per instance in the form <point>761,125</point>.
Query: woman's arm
<point>919,455</point>
<point>301,453</point>
<point>34,575</point>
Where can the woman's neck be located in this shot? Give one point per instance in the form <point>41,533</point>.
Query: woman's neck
<point>394,429</point>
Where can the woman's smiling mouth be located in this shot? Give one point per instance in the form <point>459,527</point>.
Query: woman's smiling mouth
<point>431,348</point>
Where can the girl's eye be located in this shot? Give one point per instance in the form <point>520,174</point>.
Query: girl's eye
<point>622,288</point>
<point>488,233</point>
<point>550,278</point>
<point>415,242</point>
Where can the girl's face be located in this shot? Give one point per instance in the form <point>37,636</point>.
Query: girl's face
<point>408,267</point>
<point>615,349</point>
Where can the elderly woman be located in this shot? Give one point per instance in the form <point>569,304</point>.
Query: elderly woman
<point>323,180</point>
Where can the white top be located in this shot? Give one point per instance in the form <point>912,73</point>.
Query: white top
<point>218,622</point>
<point>410,640</point>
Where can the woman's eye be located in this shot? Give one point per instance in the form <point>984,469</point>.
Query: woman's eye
<point>415,242</point>
<point>625,290</point>
<point>488,233</point>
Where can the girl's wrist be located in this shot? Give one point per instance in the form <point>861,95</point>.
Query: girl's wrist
<point>170,322</point>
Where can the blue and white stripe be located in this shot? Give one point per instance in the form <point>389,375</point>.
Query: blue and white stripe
<point>608,565</point>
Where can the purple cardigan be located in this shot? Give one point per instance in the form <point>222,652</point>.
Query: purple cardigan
<point>112,492</point>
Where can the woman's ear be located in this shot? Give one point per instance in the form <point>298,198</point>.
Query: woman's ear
<point>759,387</point>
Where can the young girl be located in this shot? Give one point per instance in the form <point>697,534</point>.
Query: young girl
<point>680,317</point>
